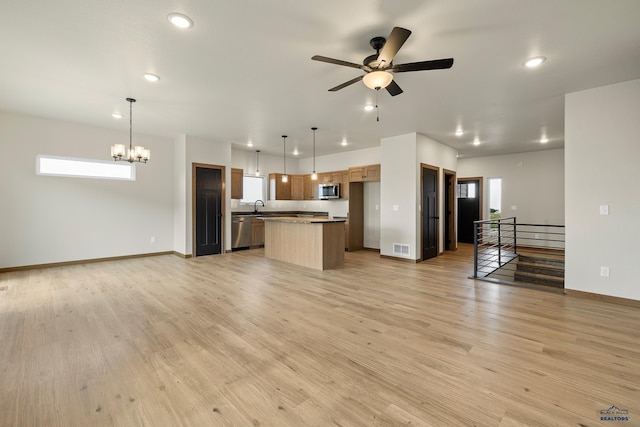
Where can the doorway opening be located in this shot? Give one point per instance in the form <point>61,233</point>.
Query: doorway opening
<point>495,198</point>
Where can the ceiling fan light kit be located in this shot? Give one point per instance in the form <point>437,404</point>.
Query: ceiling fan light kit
<point>377,79</point>
<point>378,67</point>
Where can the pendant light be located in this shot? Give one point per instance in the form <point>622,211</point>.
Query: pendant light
<point>257,162</point>
<point>285,178</point>
<point>137,153</point>
<point>314,175</point>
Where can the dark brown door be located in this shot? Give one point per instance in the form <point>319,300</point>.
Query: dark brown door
<point>208,211</point>
<point>468,191</point>
<point>429,213</point>
<point>449,206</point>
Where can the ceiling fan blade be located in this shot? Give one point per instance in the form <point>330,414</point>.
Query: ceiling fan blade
<point>394,89</point>
<point>394,42</point>
<point>345,84</point>
<point>436,64</point>
<point>336,61</point>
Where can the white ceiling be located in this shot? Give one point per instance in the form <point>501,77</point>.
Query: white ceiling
<point>244,71</point>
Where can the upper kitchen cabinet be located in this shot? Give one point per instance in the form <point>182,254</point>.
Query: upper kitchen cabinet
<point>344,188</point>
<point>297,187</point>
<point>310,190</point>
<point>330,177</point>
<point>237,176</point>
<point>279,190</point>
<point>364,173</point>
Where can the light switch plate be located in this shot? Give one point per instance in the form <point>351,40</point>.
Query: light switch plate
<point>604,209</point>
<point>604,271</point>
<point>396,207</point>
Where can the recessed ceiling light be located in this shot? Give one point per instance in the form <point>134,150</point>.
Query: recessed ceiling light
<point>534,62</point>
<point>116,115</point>
<point>151,77</point>
<point>476,141</point>
<point>544,140</point>
<point>369,107</point>
<point>180,20</point>
<point>459,132</point>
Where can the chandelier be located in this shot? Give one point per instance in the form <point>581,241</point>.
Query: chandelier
<point>137,153</point>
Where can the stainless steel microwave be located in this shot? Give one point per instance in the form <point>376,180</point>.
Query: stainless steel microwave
<point>328,191</point>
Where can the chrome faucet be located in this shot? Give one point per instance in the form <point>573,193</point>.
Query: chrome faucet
<point>255,205</point>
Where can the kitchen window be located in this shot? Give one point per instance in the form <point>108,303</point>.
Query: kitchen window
<point>253,188</point>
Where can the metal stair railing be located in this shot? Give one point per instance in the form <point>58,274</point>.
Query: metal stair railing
<point>497,244</point>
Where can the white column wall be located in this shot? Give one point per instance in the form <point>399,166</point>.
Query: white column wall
<point>398,181</point>
<point>602,147</point>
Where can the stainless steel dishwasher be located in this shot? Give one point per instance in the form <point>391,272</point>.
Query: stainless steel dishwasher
<point>240,232</point>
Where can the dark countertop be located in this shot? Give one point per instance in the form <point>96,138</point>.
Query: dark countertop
<point>300,220</point>
<point>304,214</point>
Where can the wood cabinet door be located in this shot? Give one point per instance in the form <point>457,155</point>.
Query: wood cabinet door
<point>324,178</point>
<point>257,232</point>
<point>310,188</point>
<point>372,173</point>
<point>344,187</point>
<point>279,190</point>
<point>297,187</point>
<point>356,174</point>
<point>237,176</point>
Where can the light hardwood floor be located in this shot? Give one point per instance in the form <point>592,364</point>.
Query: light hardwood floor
<point>241,340</point>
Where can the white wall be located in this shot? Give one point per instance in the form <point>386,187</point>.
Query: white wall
<point>49,219</point>
<point>180,198</point>
<point>398,182</point>
<point>371,237</point>
<point>602,145</point>
<point>532,182</point>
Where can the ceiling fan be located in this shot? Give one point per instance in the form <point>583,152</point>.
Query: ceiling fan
<point>379,67</point>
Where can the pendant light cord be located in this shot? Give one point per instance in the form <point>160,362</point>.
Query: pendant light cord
<point>130,124</point>
<point>314,129</point>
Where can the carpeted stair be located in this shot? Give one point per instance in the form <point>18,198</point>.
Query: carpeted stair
<point>540,270</point>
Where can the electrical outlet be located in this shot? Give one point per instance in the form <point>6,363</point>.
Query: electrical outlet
<point>604,271</point>
<point>153,240</point>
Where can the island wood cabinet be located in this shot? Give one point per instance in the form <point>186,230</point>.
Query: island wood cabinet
<point>297,187</point>
<point>257,232</point>
<point>237,176</point>
<point>279,190</point>
<point>364,173</point>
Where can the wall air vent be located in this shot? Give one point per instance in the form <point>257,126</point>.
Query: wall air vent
<point>401,250</point>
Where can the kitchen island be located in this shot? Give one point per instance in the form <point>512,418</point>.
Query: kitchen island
<point>310,242</point>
